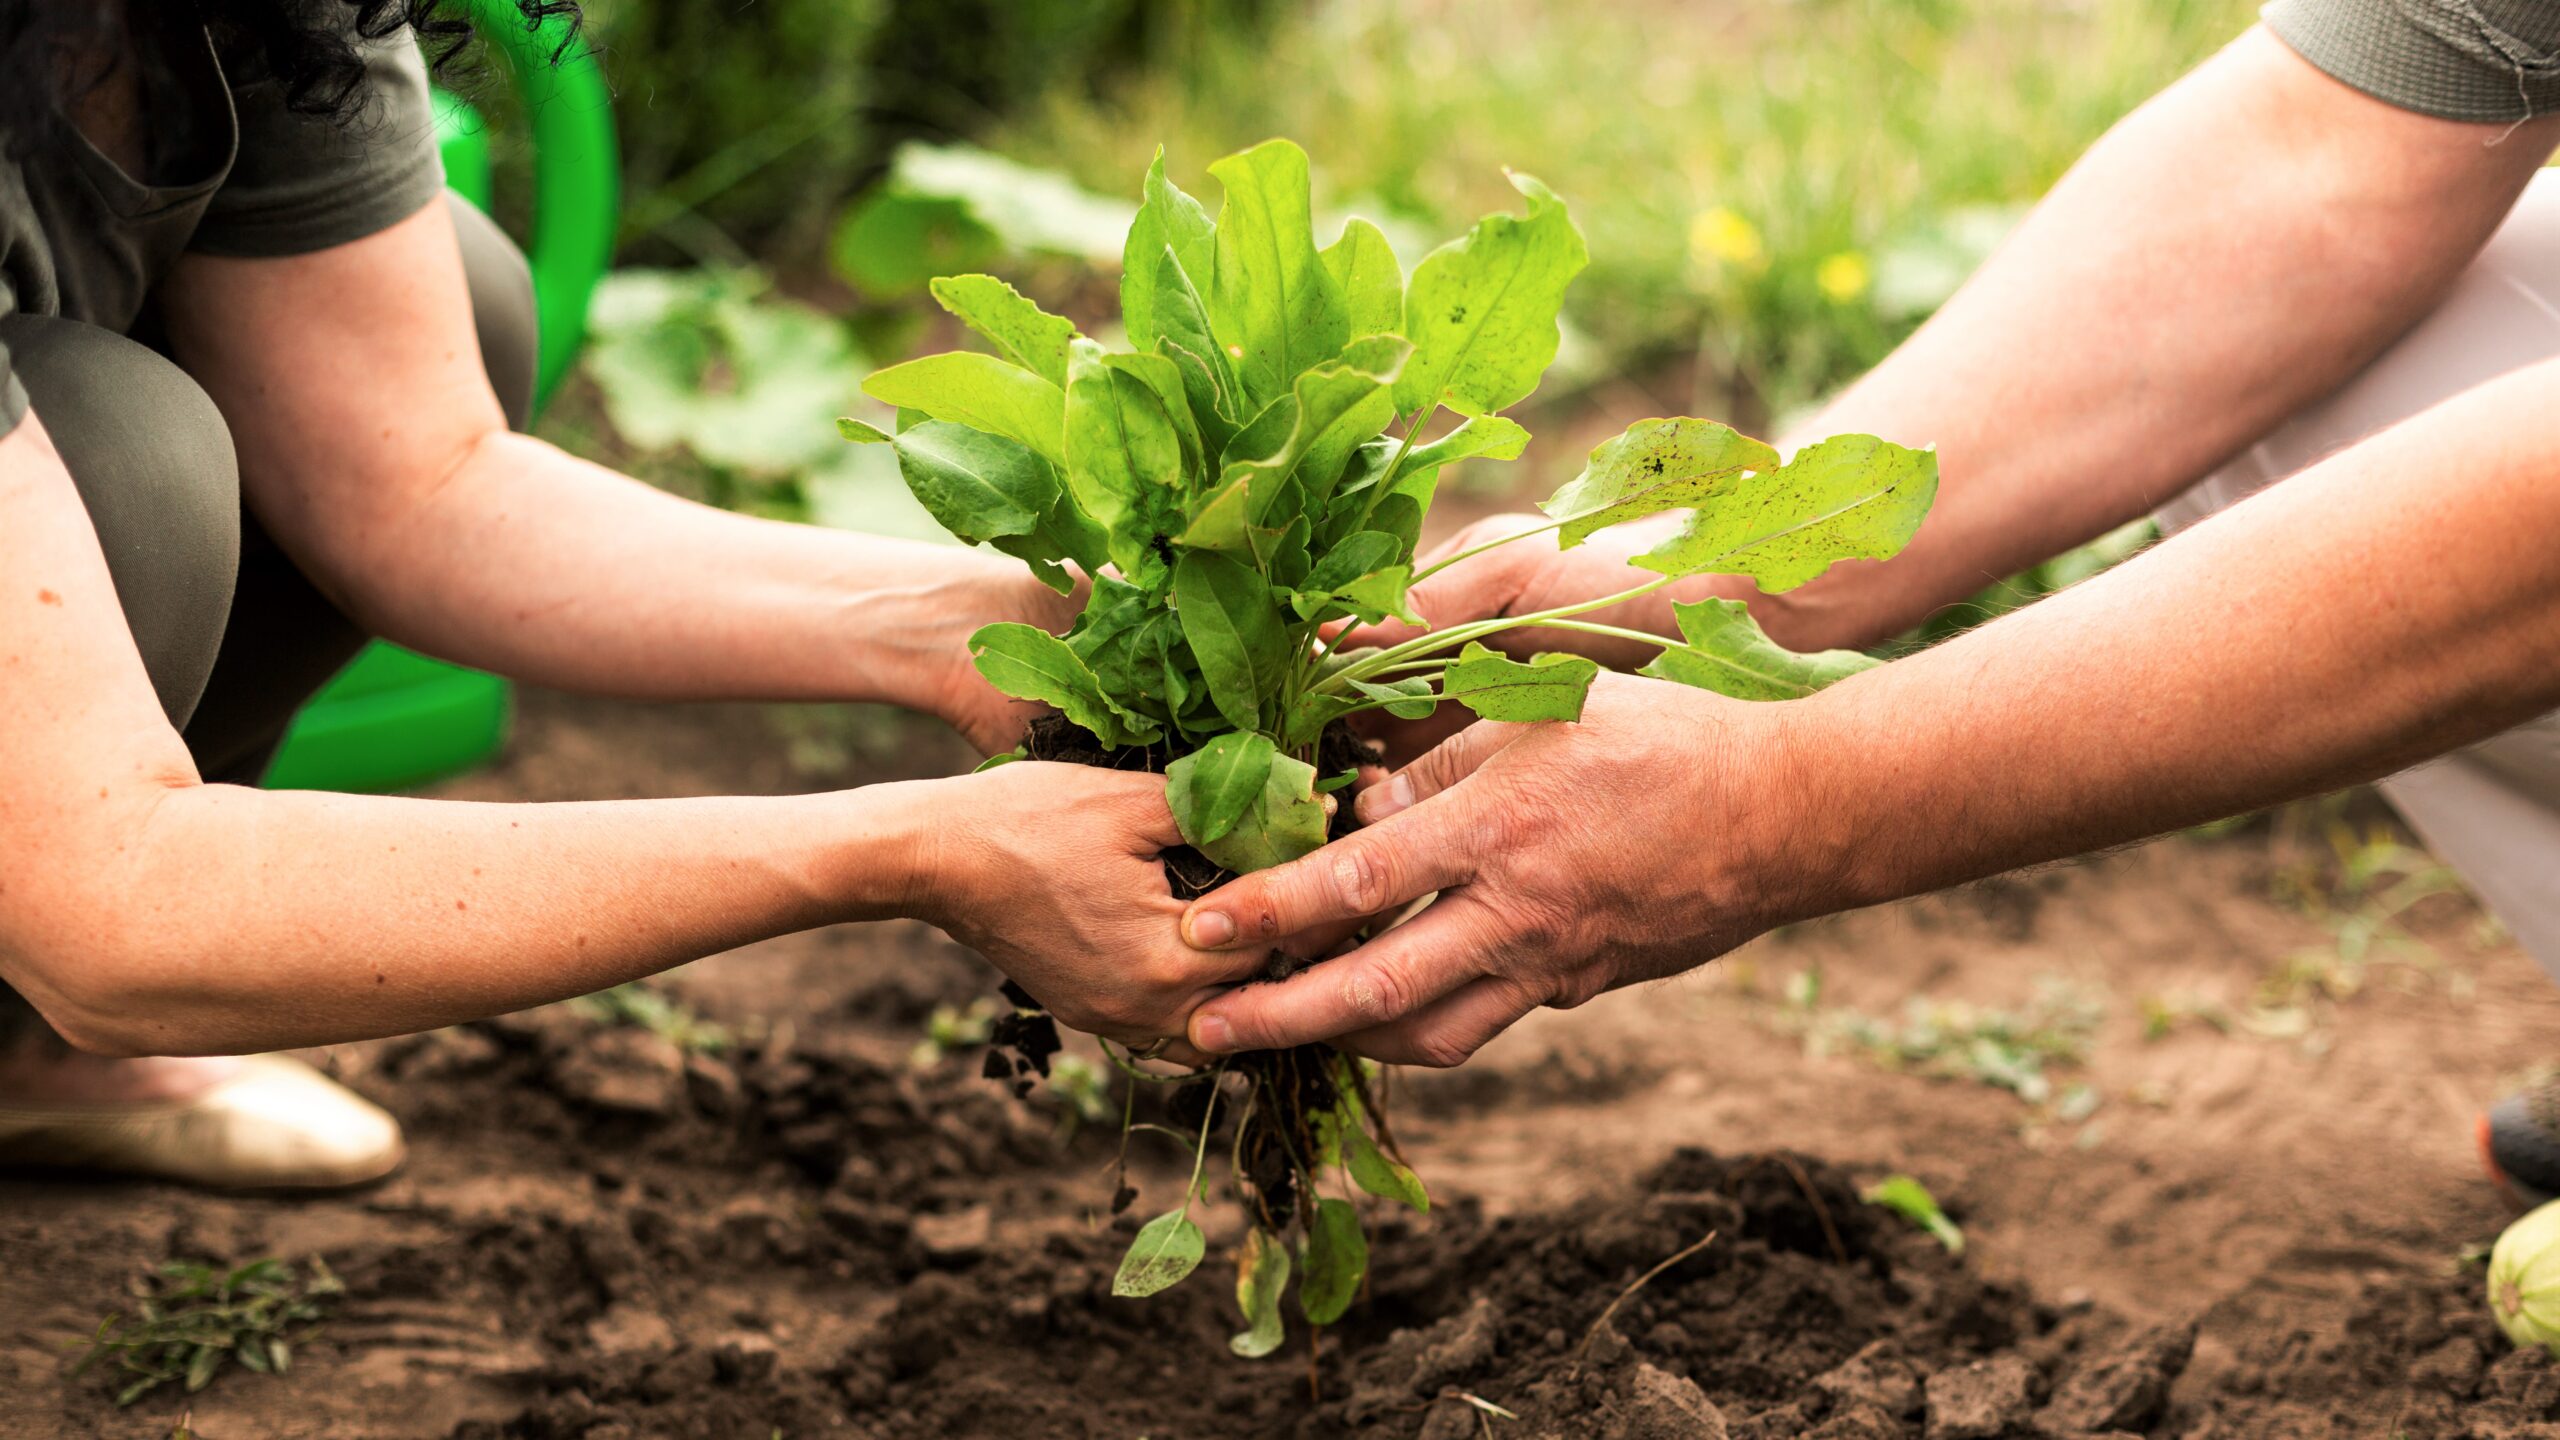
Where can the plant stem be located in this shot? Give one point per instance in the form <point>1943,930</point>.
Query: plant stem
<point>1457,635</point>
<point>1200,1157</point>
<point>1472,552</point>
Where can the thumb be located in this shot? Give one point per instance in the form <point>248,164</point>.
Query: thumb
<point>1440,767</point>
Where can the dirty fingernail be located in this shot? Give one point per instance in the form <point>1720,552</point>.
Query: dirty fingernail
<point>1211,929</point>
<point>1210,1033</point>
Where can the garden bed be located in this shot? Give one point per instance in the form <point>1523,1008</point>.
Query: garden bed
<point>804,1233</point>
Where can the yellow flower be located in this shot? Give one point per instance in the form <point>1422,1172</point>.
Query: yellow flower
<point>1842,277</point>
<point>1722,236</point>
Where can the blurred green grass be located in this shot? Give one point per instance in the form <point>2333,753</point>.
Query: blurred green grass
<point>1784,189</point>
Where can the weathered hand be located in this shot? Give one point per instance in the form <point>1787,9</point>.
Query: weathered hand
<point>1052,873</point>
<point>1568,859</point>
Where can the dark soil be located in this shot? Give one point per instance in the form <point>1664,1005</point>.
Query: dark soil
<point>600,1237</point>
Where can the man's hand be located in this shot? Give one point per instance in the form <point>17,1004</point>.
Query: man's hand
<point>1054,873</point>
<point>1568,860</point>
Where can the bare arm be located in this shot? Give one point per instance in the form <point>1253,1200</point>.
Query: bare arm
<point>142,911</point>
<point>372,448</point>
<point>2237,247</point>
<point>2265,654</point>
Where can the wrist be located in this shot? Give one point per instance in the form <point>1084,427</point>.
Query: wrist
<point>1821,837</point>
<point>886,860</point>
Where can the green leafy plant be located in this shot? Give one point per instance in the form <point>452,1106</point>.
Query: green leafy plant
<point>1251,476</point>
<point>1908,1198</point>
<point>646,1007</point>
<point>191,1319</point>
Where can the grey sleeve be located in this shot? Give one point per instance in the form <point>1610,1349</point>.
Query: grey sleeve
<point>2489,61</point>
<point>13,396</point>
<point>305,182</point>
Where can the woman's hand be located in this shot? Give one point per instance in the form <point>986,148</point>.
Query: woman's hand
<point>1054,873</point>
<point>991,720</point>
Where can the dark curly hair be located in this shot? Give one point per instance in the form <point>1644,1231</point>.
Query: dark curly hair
<point>52,51</point>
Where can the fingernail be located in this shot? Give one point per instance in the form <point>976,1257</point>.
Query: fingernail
<point>1209,929</point>
<point>1381,801</point>
<point>1209,1033</point>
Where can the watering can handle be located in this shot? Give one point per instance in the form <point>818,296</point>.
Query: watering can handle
<point>577,190</point>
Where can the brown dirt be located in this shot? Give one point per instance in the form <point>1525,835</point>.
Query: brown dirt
<point>599,1237</point>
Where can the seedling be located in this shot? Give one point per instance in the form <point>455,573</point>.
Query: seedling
<point>2014,1050</point>
<point>191,1319</point>
<point>1911,1200</point>
<point>645,1006</point>
<point>1249,477</point>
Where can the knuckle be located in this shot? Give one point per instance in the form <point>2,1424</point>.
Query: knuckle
<point>1375,994</point>
<point>1363,878</point>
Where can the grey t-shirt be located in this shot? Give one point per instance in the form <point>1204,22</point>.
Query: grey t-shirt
<point>83,239</point>
<point>2489,61</point>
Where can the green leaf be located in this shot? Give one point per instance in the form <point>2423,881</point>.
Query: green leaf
<point>1481,310</point>
<point>1336,1256</point>
<point>1729,654</point>
<point>1911,1200</point>
<point>1123,456</point>
<point>1164,377</point>
<point>1275,307</point>
<point>1286,821</point>
<point>987,489</point>
<point>1336,407</point>
<point>1219,523</point>
<point>1363,266</point>
<point>1167,220</point>
<point>1211,788</point>
<point>1489,437</point>
<point>201,1366</point>
<point>1549,687</point>
<point>1262,1273</point>
<point>1361,572</point>
<point>1168,1248</point>
<point>1028,335</point>
<point>1849,497</point>
<point>981,392</point>
<point>1409,698</point>
<point>1184,336</point>
<point>1379,1173</point>
<point>1236,631</point>
<point>1653,466</point>
<point>998,760</point>
<point>1029,663</point>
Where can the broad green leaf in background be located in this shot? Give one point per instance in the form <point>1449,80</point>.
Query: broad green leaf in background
<point>1549,687</point>
<point>1124,458</point>
<point>1286,821</point>
<point>1336,1256</point>
<point>1729,654</point>
<point>1481,310</point>
<point>1236,631</point>
<point>1262,1273</point>
<point>1364,266</point>
<point>1029,663</point>
<point>981,392</point>
<point>1168,1248</point>
<point>1028,335</point>
<point>1167,219</point>
<point>1211,788</point>
<point>1274,305</point>
<point>1848,497</point>
<point>1911,1200</point>
<point>1653,466</point>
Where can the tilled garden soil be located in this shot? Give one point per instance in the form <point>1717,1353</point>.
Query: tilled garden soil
<point>807,1233</point>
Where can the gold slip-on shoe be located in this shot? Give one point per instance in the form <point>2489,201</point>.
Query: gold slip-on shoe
<point>277,1124</point>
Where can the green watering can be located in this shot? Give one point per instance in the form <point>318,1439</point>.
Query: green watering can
<point>394,718</point>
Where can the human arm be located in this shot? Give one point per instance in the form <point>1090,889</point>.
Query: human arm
<point>2394,601</point>
<point>2230,251</point>
<point>372,448</point>
<point>142,911</point>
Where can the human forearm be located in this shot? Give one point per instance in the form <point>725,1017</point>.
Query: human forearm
<point>534,563</point>
<point>217,919</point>
<point>2266,654</point>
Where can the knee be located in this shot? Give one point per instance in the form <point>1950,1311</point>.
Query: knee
<point>154,464</point>
<point>501,307</point>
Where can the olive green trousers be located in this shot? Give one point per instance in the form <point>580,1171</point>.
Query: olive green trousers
<point>234,636</point>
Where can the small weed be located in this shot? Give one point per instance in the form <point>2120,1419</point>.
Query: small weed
<point>950,1030</point>
<point>190,1319</point>
<point>1911,1200</point>
<point>644,1006</point>
<point>2011,1050</point>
